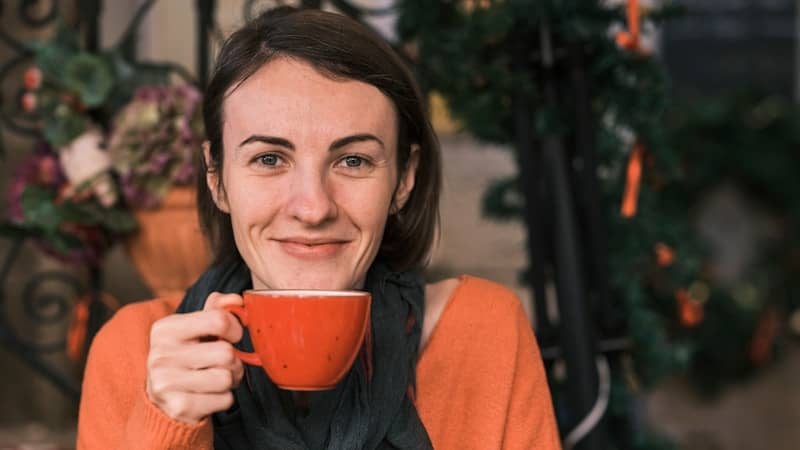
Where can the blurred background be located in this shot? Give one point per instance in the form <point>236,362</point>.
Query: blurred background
<point>629,167</point>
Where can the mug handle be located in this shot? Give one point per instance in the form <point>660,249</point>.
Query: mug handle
<point>246,357</point>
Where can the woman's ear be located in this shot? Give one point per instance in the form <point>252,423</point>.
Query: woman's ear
<point>214,180</point>
<point>406,182</point>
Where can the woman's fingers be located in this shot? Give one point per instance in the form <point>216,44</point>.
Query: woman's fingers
<point>217,300</point>
<point>191,366</point>
<point>183,328</point>
<point>204,355</point>
<point>205,381</point>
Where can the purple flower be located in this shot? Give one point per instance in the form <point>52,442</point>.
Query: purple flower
<point>42,169</point>
<point>151,155</point>
<point>185,174</point>
<point>158,162</point>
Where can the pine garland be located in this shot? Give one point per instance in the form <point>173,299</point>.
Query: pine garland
<point>653,158</point>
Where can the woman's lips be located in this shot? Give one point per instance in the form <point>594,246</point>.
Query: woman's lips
<point>312,250</point>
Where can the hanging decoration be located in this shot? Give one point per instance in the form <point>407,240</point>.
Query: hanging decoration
<point>79,325</point>
<point>633,180</point>
<point>680,318</point>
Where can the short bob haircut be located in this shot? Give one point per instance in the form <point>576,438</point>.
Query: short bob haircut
<point>340,48</point>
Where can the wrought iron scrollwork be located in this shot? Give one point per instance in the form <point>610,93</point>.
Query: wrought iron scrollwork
<point>11,115</point>
<point>45,299</point>
<point>28,14</point>
<point>41,308</point>
<point>45,307</point>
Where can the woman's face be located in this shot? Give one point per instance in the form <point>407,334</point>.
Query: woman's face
<point>309,176</point>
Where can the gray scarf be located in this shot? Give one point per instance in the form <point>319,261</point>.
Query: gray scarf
<point>371,408</point>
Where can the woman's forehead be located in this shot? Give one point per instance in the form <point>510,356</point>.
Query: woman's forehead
<point>291,96</point>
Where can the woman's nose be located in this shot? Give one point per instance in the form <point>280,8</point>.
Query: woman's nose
<point>311,201</point>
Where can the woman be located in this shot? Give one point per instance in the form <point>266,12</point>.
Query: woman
<point>322,172</point>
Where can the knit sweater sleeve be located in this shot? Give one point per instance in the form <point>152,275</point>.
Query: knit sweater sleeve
<point>530,422</point>
<point>480,381</point>
<point>115,413</point>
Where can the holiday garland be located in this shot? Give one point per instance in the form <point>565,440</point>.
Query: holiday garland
<point>748,141</point>
<point>653,158</point>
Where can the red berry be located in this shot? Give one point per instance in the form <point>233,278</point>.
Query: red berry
<point>32,78</point>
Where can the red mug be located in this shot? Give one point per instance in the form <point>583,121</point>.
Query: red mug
<point>305,340</point>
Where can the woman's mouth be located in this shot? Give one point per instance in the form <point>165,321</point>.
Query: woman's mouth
<point>308,249</point>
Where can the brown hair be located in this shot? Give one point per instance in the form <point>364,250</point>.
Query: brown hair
<point>338,47</point>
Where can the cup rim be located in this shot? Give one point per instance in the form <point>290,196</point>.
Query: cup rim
<point>306,292</point>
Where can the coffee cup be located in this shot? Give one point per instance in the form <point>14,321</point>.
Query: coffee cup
<point>305,340</point>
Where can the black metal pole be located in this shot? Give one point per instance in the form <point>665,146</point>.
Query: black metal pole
<point>577,336</point>
<point>90,11</point>
<point>530,185</point>
<point>98,312</point>
<point>205,23</point>
<point>591,201</point>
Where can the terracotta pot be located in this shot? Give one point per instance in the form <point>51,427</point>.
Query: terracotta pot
<point>169,250</point>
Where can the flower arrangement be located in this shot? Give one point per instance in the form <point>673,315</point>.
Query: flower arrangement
<point>116,136</point>
<point>154,141</point>
<point>68,224</point>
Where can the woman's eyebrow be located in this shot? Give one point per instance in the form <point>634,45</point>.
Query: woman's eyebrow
<point>362,137</point>
<point>336,145</point>
<point>274,140</point>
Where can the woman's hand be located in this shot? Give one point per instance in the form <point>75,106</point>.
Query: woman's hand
<point>191,367</point>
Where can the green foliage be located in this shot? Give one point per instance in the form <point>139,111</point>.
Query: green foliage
<point>80,86</point>
<point>52,56</point>
<point>485,61</point>
<point>63,124</point>
<point>39,209</point>
<point>43,213</point>
<point>488,58</point>
<point>749,141</point>
<point>90,77</point>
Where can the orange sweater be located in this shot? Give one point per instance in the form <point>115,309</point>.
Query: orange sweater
<point>480,380</point>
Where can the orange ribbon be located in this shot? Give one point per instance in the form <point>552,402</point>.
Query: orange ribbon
<point>629,40</point>
<point>633,179</point>
<point>665,255</point>
<point>76,334</point>
<point>690,311</point>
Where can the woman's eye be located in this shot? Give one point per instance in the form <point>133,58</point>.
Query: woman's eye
<point>269,159</point>
<point>353,161</point>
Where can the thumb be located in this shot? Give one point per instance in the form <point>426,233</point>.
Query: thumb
<point>218,300</point>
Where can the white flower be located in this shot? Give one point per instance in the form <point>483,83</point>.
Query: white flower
<point>86,165</point>
<point>84,157</point>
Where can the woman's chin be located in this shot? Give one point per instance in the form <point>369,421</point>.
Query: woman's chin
<point>331,283</point>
